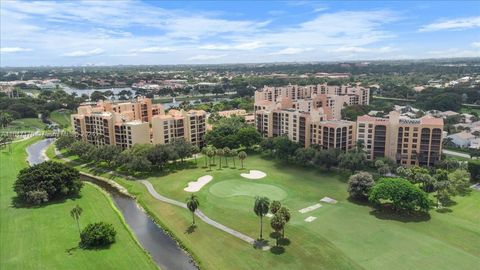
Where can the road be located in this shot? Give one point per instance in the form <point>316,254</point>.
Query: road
<point>457,154</point>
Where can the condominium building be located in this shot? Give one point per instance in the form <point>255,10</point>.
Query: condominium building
<point>407,141</point>
<point>129,123</point>
<point>179,124</point>
<point>313,96</point>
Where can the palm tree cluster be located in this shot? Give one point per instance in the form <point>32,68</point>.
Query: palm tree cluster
<point>223,154</point>
<point>281,215</point>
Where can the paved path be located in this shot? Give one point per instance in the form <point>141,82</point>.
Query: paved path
<point>198,213</point>
<point>454,153</point>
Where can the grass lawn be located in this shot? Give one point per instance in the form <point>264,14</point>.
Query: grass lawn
<point>47,238</point>
<point>345,235</point>
<point>24,124</point>
<point>61,117</point>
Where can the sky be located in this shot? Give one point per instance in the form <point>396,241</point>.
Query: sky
<point>62,33</point>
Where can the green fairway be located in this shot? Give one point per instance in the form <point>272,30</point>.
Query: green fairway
<point>62,118</point>
<point>24,124</point>
<point>46,237</point>
<point>344,235</point>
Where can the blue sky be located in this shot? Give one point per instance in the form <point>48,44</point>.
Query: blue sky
<point>182,32</point>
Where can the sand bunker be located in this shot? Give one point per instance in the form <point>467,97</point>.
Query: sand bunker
<point>195,186</point>
<point>310,208</point>
<point>254,174</point>
<point>310,219</point>
<point>269,215</point>
<point>328,200</point>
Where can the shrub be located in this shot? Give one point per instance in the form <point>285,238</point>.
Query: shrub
<point>474,169</point>
<point>403,195</point>
<point>46,181</point>
<point>98,234</point>
<point>360,184</point>
<point>65,141</point>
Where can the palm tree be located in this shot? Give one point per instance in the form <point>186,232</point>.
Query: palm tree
<point>205,153</point>
<point>210,154</point>
<point>220,154</point>
<point>261,209</point>
<point>192,205</point>
<point>275,206</point>
<point>76,212</point>
<point>226,153</point>
<point>285,213</point>
<point>234,153</point>
<point>195,150</point>
<point>242,155</point>
<point>277,223</point>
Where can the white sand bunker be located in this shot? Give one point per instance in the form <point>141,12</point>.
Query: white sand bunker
<point>310,208</point>
<point>254,174</point>
<point>328,200</point>
<point>310,219</point>
<point>269,215</point>
<point>195,186</point>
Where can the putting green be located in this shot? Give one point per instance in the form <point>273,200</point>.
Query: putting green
<point>233,188</point>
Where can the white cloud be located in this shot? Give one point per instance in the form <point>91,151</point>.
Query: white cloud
<point>154,50</point>
<point>385,49</point>
<point>206,57</point>
<point>453,24</point>
<point>241,46</point>
<point>14,49</point>
<point>291,51</point>
<point>476,44</point>
<point>81,53</point>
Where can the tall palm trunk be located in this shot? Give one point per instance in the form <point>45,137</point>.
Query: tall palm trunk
<point>193,217</point>
<point>206,159</point>
<point>261,227</point>
<point>226,161</point>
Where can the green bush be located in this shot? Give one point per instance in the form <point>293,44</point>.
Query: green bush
<point>403,195</point>
<point>98,234</point>
<point>474,169</point>
<point>46,181</point>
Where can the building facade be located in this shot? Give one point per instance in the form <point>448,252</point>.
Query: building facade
<point>138,122</point>
<point>407,141</point>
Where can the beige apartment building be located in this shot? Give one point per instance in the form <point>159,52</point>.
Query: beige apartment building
<point>407,141</point>
<point>179,124</point>
<point>129,123</point>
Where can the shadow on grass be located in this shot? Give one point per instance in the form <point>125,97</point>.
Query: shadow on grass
<point>260,243</point>
<point>389,214</point>
<point>17,202</point>
<point>361,202</point>
<point>443,210</point>
<point>190,229</point>
<point>277,250</point>
<point>70,251</point>
<point>284,241</point>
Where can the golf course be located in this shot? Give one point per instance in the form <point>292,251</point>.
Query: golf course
<point>46,237</point>
<point>341,235</point>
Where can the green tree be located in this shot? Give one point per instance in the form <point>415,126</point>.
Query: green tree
<point>233,154</point>
<point>277,223</point>
<point>211,155</point>
<point>47,181</point>
<point>76,212</point>
<point>403,195</point>
<point>192,205</point>
<point>326,158</point>
<point>261,209</point>
<point>359,185</point>
<point>195,151</point>
<point>226,154</point>
<point>97,235</point>
<point>275,206</point>
<point>5,118</point>
<point>220,154</point>
<point>64,141</point>
<point>352,160</point>
<point>459,182</point>
<point>285,213</point>
<point>242,156</point>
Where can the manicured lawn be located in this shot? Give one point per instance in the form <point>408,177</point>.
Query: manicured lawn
<point>345,235</point>
<point>24,124</point>
<point>61,117</point>
<point>47,238</point>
